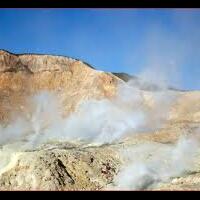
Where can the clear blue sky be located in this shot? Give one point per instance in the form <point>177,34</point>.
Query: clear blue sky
<point>128,40</point>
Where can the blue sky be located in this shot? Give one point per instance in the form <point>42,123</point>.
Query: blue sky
<point>165,42</point>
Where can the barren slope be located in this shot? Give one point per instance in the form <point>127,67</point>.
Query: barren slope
<point>22,75</point>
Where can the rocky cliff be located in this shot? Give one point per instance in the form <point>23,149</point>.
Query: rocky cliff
<point>23,75</point>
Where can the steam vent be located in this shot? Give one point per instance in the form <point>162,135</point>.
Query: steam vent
<point>67,126</point>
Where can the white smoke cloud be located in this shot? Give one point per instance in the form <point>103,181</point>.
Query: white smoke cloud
<point>150,164</point>
<point>100,121</point>
<point>95,121</point>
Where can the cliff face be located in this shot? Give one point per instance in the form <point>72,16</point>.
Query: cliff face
<point>68,166</point>
<point>24,75</point>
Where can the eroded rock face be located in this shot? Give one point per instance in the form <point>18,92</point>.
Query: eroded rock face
<point>66,166</point>
<point>24,75</point>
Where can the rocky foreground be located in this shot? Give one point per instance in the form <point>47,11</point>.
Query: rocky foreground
<point>68,165</point>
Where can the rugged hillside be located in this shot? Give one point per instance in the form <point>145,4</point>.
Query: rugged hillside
<point>23,75</point>
<point>67,165</point>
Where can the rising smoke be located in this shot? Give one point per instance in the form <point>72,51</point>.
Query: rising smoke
<point>150,164</point>
<point>95,121</point>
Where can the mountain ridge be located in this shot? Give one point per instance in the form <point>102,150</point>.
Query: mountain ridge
<point>144,85</point>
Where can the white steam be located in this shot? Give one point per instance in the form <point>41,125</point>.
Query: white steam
<point>153,163</point>
<point>95,121</point>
